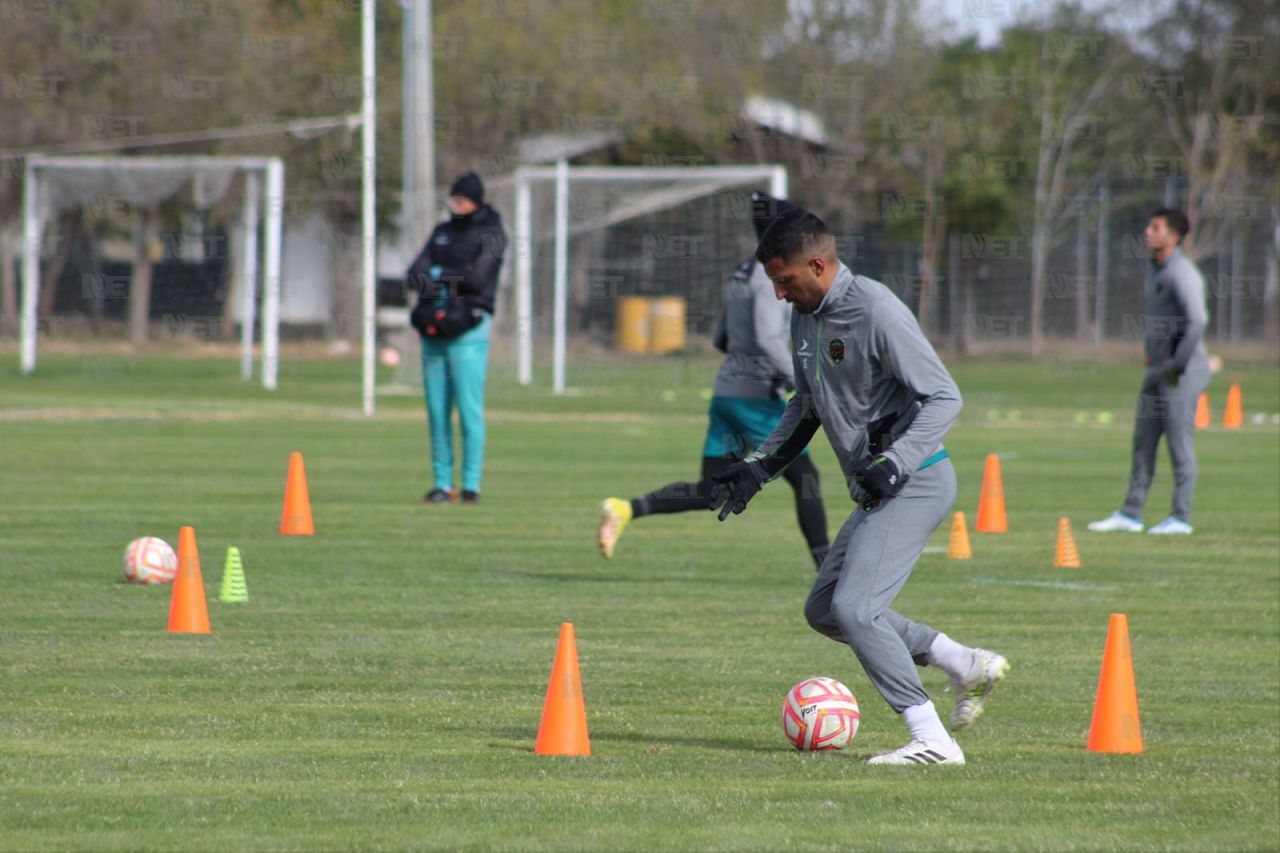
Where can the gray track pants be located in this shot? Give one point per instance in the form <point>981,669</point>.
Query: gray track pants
<point>869,561</point>
<point>1168,410</point>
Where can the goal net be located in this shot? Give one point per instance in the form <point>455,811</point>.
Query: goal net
<point>119,194</point>
<point>581,238</point>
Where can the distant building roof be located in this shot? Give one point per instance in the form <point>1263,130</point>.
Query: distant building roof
<point>785,118</point>
<point>766,112</point>
<point>550,147</point>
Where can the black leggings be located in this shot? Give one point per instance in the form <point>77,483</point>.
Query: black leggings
<point>800,474</point>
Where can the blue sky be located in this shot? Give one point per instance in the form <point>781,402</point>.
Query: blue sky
<point>986,18</point>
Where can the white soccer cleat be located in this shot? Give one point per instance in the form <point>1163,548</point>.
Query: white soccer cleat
<point>922,752</point>
<point>1171,526</point>
<point>1116,522</point>
<point>987,671</point>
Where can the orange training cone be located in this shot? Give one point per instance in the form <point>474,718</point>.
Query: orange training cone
<point>1066,557</point>
<point>991,516</point>
<point>563,730</point>
<point>958,544</point>
<point>187,611</point>
<point>1203,419</point>
<point>1115,726</point>
<point>1233,417</point>
<point>295,519</point>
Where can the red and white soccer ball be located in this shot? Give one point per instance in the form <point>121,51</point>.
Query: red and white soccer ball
<point>149,560</point>
<point>819,714</point>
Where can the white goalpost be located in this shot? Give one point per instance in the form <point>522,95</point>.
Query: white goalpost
<point>53,184</point>
<point>637,191</point>
<point>89,175</point>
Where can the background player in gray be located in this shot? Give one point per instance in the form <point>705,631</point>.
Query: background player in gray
<point>1177,374</point>
<point>753,331</point>
<point>867,375</point>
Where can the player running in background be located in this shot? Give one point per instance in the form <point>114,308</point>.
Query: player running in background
<point>1177,374</point>
<point>747,401</point>
<point>867,375</point>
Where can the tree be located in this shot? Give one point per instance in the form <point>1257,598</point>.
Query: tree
<point>857,64</point>
<point>1220,62</point>
<point>981,224</point>
<point>1071,67</point>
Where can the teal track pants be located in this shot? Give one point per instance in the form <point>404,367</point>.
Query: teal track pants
<point>453,372</point>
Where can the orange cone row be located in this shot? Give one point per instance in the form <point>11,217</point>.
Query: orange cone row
<point>1115,726</point>
<point>188,611</point>
<point>992,518</point>
<point>1232,415</point>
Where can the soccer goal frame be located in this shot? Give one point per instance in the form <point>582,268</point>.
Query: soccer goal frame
<point>37,210</point>
<point>685,183</point>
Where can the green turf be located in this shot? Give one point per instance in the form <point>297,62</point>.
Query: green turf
<point>382,687</point>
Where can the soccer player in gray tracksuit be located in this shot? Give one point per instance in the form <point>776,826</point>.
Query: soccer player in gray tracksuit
<point>747,401</point>
<point>867,375</point>
<point>1177,374</point>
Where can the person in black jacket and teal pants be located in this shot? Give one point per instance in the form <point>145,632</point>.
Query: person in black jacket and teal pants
<point>456,277</point>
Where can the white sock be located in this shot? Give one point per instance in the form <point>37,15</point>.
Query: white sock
<point>924,724</point>
<point>951,657</point>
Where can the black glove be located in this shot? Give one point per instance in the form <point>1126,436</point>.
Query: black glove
<point>734,487</point>
<point>879,478</point>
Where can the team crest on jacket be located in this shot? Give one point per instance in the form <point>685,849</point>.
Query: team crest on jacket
<point>836,350</point>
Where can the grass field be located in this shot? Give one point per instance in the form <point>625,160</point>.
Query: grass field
<point>382,687</point>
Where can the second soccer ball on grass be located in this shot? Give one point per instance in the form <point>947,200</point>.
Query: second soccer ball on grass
<point>150,560</point>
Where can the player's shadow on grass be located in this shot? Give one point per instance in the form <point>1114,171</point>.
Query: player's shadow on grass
<point>658,741</point>
<point>521,740</point>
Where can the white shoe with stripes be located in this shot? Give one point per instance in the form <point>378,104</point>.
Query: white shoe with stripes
<point>923,753</point>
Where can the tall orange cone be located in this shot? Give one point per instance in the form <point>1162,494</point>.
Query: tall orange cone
<point>563,730</point>
<point>1233,417</point>
<point>1066,556</point>
<point>958,544</point>
<point>295,518</point>
<point>1203,418</point>
<point>1115,726</point>
<point>187,611</point>
<point>991,516</point>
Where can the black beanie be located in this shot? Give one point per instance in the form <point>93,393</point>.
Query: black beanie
<point>765,210</point>
<point>469,186</point>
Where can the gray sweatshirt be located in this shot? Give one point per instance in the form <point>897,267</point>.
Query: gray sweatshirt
<point>1176,314</point>
<point>861,358</point>
<point>753,331</point>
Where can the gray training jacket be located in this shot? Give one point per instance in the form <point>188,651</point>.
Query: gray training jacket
<point>753,331</point>
<point>860,360</point>
<point>1176,314</point>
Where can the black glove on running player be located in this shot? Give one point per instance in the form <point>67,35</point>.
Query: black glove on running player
<point>734,487</point>
<point>879,478</point>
